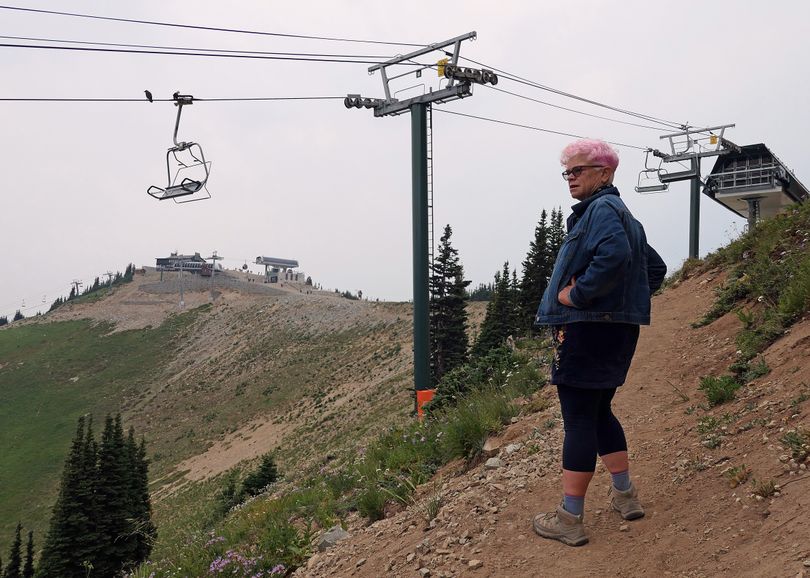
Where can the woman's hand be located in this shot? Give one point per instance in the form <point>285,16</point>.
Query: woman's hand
<point>562,296</point>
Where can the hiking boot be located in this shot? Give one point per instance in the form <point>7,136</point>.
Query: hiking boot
<point>561,525</point>
<point>626,503</point>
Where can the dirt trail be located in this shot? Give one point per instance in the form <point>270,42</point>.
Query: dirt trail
<point>696,524</point>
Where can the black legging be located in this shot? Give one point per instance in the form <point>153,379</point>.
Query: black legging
<point>590,427</point>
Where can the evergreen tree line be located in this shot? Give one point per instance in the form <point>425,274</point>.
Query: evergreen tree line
<point>17,316</point>
<point>102,521</point>
<point>117,279</point>
<point>514,302</point>
<point>483,292</point>
<point>15,568</point>
<point>512,305</point>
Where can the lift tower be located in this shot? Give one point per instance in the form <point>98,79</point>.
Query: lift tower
<point>459,85</point>
<point>692,145</point>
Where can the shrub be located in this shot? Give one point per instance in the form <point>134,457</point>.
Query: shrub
<point>738,475</point>
<point>764,489</point>
<point>371,502</point>
<point>795,298</point>
<point>258,480</point>
<point>719,389</point>
<point>798,442</point>
<point>227,497</point>
<point>470,424</point>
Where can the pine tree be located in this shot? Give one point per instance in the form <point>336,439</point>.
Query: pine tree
<point>448,310</point>
<point>556,234</point>
<point>18,315</point>
<point>3,320</point>
<point>497,322</point>
<point>515,318</point>
<point>112,500</point>
<point>15,555</point>
<point>142,532</point>
<point>266,474</point>
<point>28,569</point>
<point>536,272</point>
<point>71,540</point>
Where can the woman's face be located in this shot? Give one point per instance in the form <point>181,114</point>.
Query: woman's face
<point>591,178</point>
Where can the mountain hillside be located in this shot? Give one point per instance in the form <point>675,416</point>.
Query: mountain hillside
<point>688,460</point>
<point>210,386</point>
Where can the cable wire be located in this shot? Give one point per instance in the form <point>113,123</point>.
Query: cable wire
<point>533,128</point>
<point>209,54</point>
<point>515,78</point>
<point>213,50</point>
<point>208,28</point>
<point>228,99</point>
<point>574,110</point>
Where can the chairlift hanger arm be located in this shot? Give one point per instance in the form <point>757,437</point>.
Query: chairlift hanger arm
<point>179,101</point>
<point>425,50</point>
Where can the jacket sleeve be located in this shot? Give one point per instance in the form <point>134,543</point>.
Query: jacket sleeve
<point>611,256</point>
<point>656,269</point>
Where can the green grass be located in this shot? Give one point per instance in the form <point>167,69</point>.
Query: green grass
<point>52,373</point>
<point>388,471</point>
<point>770,274</point>
<point>719,389</point>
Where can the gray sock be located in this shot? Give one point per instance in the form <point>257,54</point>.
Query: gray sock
<point>621,480</point>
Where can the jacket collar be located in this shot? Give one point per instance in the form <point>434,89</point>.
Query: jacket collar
<point>580,208</point>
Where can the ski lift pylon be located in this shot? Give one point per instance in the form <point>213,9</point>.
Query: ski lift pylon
<point>191,171</point>
<point>649,178</point>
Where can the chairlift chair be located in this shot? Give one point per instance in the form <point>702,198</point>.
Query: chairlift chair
<point>649,179</point>
<point>190,171</point>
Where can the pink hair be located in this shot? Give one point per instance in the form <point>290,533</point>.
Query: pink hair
<point>596,151</point>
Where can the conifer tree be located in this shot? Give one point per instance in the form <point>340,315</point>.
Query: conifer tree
<point>142,532</point>
<point>14,565</point>
<point>556,234</point>
<point>3,320</point>
<point>112,500</point>
<point>448,310</point>
<point>497,322</point>
<point>516,321</point>
<point>266,474</point>
<point>536,272</point>
<point>18,315</point>
<point>28,569</point>
<point>71,540</point>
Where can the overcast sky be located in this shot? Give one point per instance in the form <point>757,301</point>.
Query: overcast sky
<point>331,187</point>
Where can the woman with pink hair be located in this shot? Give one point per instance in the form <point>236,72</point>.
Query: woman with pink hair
<point>597,297</point>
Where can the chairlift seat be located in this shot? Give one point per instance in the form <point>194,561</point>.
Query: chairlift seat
<point>191,170</point>
<point>652,188</point>
<point>189,159</point>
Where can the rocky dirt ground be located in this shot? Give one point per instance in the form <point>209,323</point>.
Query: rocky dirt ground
<point>697,524</point>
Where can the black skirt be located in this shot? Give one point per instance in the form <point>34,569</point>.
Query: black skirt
<point>593,355</point>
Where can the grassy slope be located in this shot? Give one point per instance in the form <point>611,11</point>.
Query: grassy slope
<point>191,381</point>
<point>51,374</point>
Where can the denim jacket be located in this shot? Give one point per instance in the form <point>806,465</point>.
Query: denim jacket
<point>616,270</point>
